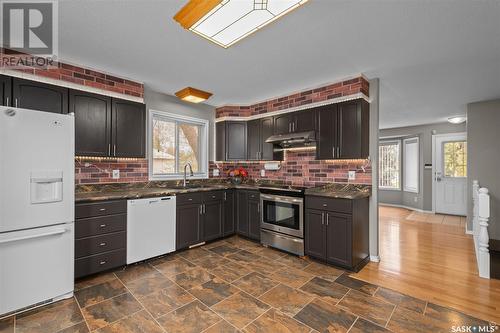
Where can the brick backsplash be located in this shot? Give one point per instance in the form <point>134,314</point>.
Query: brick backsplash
<point>302,169</point>
<point>80,75</point>
<point>336,90</point>
<point>92,171</point>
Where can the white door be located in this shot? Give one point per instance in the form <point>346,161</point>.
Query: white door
<point>450,173</point>
<point>36,169</point>
<point>36,265</point>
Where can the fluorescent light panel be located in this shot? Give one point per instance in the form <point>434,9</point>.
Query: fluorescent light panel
<point>233,20</point>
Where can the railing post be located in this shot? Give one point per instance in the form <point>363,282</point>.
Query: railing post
<point>475,205</point>
<point>484,239</point>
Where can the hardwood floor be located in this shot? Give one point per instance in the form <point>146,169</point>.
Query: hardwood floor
<point>432,261</point>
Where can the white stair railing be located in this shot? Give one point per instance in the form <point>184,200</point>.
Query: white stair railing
<point>480,219</point>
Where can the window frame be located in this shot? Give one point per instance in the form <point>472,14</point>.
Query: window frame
<point>404,171</point>
<point>387,143</point>
<point>203,173</point>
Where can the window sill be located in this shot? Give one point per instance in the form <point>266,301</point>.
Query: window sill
<point>388,189</point>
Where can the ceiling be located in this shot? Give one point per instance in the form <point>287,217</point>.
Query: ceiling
<point>432,56</point>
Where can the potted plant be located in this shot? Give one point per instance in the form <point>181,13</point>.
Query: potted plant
<point>237,175</point>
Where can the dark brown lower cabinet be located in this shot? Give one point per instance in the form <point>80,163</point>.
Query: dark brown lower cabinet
<point>336,231</point>
<point>212,218</point>
<point>100,236</point>
<point>248,211</point>
<point>229,213</point>
<point>189,229</point>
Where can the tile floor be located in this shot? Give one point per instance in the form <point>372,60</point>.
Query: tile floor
<point>234,285</point>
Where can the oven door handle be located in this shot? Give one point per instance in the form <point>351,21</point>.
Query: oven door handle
<point>276,198</point>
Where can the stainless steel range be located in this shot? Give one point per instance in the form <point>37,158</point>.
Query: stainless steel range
<point>282,218</point>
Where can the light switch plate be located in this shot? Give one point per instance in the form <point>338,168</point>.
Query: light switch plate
<point>116,174</point>
<point>351,175</point>
<point>263,173</point>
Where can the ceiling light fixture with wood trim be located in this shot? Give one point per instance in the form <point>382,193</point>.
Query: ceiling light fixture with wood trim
<point>226,22</point>
<point>193,95</point>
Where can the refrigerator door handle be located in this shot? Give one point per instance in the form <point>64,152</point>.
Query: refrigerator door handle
<point>52,233</point>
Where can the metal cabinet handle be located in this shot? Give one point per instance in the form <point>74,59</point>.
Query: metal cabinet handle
<point>102,262</point>
<point>16,102</point>
<point>322,218</point>
<point>333,152</point>
<point>204,208</point>
<point>102,209</point>
<point>289,127</point>
<point>201,210</point>
<point>114,150</point>
<point>325,205</point>
<point>225,196</point>
<point>327,218</point>
<point>7,102</point>
<point>109,149</point>
<point>338,151</point>
<point>226,156</point>
<point>102,244</point>
<point>102,226</point>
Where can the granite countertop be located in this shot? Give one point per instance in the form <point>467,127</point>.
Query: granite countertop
<point>344,191</point>
<point>123,191</point>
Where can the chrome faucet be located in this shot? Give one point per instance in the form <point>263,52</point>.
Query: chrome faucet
<point>185,174</point>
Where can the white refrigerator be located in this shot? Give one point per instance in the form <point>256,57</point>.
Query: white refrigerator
<point>36,208</point>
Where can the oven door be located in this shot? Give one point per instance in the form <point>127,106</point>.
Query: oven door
<point>282,214</point>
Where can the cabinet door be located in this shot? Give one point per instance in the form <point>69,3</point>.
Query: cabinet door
<point>188,226</point>
<point>339,239</point>
<point>92,123</point>
<point>266,130</point>
<point>254,218</point>
<point>283,124</point>
<point>220,141</point>
<point>304,121</point>
<point>327,132</point>
<point>236,140</point>
<point>242,213</point>
<point>129,128</point>
<point>5,90</point>
<point>353,130</point>
<point>229,216</point>
<point>315,234</point>
<point>254,140</point>
<point>39,96</point>
<point>212,220</point>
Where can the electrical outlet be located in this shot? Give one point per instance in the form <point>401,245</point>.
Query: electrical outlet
<point>116,174</point>
<point>351,175</point>
<point>263,173</point>
<point>216,173</point>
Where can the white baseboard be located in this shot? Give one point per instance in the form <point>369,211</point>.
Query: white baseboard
<point>375,258</point>
<point>406,207</point>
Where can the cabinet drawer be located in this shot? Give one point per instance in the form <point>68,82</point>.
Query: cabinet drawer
<point>253,195</point>
<point>93,226</point>
<point>329,204</point>
<point>100,208</point>
<point>213,196</point>
<point>100,262</point>
<point>98,244</point>
<point>188,198</point>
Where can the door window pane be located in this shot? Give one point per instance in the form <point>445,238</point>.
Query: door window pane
<point>455,159</point>
<point>163,147</point>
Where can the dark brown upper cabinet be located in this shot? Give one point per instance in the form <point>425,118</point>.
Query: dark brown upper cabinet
<point>258,132</point>
<point>39,96</point>
<point>5,90</point>
<point>343,131</point>
<point>128,129</point>
<point>294,122</point>
<point>92,123</point>
<point>107,127</point>
<point>231,141</point>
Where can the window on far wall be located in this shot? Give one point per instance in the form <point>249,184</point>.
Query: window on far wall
<point>389,165</point>
<point>411,164</point>
<point>175,141</point>
<point>455,159</point>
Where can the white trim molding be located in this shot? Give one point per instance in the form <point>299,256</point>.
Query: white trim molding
<point>375,258</point>
<point>297,108</point>
<point>71,85</point>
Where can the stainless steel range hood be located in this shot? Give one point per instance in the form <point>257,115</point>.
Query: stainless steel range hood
<point>292,140</point>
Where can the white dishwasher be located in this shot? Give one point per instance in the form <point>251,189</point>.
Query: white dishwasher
<point>150,228</point>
